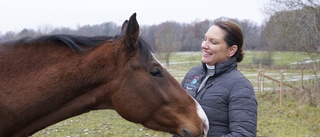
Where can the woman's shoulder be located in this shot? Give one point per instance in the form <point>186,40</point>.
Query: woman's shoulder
<point>236,75</point>
<point>236,78</point>
<point>241,85</point>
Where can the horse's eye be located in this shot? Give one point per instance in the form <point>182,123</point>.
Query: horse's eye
<point>156,72</point>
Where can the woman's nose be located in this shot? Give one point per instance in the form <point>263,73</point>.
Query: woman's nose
<point>204,45</point>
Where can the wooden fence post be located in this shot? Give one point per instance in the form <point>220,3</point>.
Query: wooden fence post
<point>259,75</point>
<point>281,89</point>
<point>302,78</point>
<point>262,88</point>
<point>261,80</point>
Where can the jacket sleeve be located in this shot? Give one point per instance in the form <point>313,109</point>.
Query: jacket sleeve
<point>242,110</point>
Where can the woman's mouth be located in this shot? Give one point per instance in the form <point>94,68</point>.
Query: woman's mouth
<point>204,53</point>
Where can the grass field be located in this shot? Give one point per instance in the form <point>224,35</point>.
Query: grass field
<point>293,119</point>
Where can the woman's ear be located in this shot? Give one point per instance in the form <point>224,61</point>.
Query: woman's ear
<point>232,50</point>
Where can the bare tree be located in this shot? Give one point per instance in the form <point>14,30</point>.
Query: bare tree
<point>188,39</point>
<point>63,30</point>
<point>27,33</point>
<point>295,25</point>
<point>45,29</point>
<point>10,35</point>
<point>148,32</point>
<point>167,40</point>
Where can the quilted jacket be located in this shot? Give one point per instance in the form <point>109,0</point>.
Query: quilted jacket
<point>228,99</point>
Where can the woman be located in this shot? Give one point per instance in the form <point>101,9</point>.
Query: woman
<point>226,96</point>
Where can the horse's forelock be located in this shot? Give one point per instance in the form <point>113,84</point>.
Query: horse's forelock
<point>145,51</point>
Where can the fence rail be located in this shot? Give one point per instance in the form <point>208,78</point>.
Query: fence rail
<point>261,83</point>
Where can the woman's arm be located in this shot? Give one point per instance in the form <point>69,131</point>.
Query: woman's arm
<point>242,110</point>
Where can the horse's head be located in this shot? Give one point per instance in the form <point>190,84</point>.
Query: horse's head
<point>145,92</point>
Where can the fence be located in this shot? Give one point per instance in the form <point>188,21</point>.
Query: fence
<point>282,84</point>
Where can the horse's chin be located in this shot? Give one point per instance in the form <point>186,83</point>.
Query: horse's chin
<point>186,133</point>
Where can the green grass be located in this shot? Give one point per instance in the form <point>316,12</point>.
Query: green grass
<point>293,119</point>
<point>280,58</point>
<point>102,123</point>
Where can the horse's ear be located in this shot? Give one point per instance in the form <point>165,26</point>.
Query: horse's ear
<point>132,31</point>
<point>124,26</point>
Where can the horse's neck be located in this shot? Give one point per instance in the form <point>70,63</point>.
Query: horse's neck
<point>56,91</point>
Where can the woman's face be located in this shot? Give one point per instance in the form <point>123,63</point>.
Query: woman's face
<point>214,48</point>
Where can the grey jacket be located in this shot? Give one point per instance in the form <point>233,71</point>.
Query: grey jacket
<point>228,99</point>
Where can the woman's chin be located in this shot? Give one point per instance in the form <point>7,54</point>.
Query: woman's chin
<point>205,60</point>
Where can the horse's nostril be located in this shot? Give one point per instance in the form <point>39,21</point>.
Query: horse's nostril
<point>186,133</point>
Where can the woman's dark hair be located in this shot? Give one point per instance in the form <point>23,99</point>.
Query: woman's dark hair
<point>234,36</point>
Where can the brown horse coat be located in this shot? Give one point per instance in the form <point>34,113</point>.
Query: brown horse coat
<point>44,82</point>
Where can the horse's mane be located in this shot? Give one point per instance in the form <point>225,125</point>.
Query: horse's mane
<point>72,41</point>
<point>76,42</point>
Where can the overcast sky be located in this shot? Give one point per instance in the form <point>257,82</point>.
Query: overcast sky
<point>16,15</point>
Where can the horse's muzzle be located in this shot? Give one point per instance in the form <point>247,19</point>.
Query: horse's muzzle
<point>186,133</point>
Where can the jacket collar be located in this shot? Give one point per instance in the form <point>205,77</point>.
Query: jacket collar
<point>222,67</point>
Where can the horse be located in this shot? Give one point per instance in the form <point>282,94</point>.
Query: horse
<point>50,78</point>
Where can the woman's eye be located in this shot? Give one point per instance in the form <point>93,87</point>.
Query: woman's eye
<point>214,42</point>
<point>156,72</point>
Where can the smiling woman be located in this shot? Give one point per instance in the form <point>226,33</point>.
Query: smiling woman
<point>226,96</point>
<point>51,78</point>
